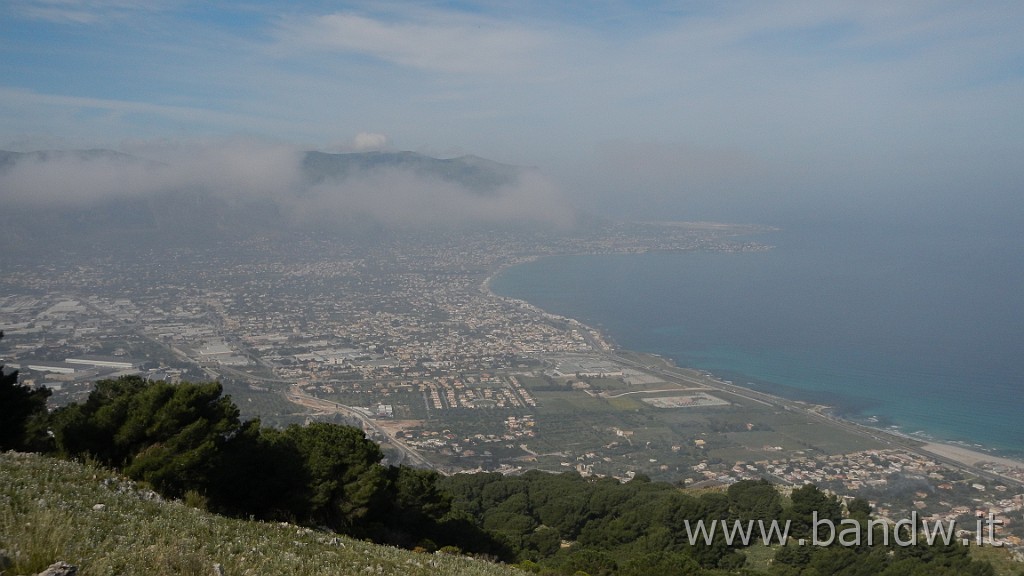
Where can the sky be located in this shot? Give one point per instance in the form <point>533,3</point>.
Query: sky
<point>740,110</point>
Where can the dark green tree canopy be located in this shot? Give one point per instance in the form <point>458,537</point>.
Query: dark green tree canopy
<point>22,413</point>
<point>166,434</point>
<point>346,480</point>
<point>188,437</point>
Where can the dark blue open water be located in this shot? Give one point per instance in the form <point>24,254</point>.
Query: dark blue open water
<point>921,328</point>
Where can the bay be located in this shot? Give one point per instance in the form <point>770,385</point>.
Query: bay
<point>921,328</point>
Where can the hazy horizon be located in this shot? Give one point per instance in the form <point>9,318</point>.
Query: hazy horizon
<point>745,111</point>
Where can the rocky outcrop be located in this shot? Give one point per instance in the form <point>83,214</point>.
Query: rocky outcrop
<point>59,569</point>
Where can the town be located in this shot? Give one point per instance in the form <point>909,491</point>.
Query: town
<point>404,338</point>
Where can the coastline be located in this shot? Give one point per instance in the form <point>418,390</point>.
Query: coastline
<point>947,450</point>
<point>970,457</point>
<point>602,342</point>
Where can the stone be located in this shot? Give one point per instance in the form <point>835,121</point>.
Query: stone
<point>60,569</point>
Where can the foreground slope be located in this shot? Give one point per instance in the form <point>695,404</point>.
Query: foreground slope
<point>54,510</point>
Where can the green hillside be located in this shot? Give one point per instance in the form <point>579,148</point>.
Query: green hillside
<point>90,517</point>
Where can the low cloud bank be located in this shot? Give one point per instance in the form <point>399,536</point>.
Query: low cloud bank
<point>239,172</point>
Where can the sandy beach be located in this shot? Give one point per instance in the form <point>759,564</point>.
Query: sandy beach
<point>968,456</point>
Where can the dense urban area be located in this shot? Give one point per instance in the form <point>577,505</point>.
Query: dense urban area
<point>404,338</point>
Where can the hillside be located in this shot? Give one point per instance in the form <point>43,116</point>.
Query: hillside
<point>473,174</point>
<point>54,510</point>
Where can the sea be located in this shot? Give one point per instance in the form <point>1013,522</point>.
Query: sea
<point>918,328</point>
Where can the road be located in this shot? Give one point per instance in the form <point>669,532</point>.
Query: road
<point>298,396</point>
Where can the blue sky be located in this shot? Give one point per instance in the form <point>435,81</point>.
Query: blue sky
<point>677,109</point>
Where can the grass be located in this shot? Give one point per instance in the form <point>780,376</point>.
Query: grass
<point>87,516</point>
<point>626,404</point>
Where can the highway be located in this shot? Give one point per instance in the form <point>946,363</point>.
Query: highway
<point>296,395</point>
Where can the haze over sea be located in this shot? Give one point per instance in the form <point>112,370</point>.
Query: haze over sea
<point>917,326</point>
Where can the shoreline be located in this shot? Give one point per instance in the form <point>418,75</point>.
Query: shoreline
<point>948,450</point>
<point>603,342</point>
<point>968,456</point>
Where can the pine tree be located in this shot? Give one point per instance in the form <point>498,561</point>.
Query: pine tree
<point>22,413</point>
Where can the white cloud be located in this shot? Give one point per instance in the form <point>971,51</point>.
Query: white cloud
<point>239,170</point>
<point>83,11</point>
<point>38,100</point>
<point>369,141</point>
<point>839,90</point>
<point>227,169</point>
<point>444,41</point>
<point>402,198</point>
<point>88,122</point>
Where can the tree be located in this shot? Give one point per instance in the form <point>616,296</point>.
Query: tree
<point>755,500</point>
<point>661,563</point>
<point>808,500</point>
<point>259,473</point>
<point>346,482</point>
<point>414,509</point>
<point>169,435</point>
<point>859,509</point>
<point>22,413</point>
<point>589,561</point>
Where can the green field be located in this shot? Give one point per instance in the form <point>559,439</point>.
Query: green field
<point>586,428</point>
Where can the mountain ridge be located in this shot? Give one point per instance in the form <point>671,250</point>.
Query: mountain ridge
<point>476,174</point>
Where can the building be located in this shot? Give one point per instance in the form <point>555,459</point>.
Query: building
<point>100,362</point>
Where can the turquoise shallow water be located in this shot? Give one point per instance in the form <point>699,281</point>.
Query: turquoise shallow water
<point>921,329</point>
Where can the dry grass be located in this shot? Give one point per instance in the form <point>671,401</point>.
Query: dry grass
<point>54,510</point>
